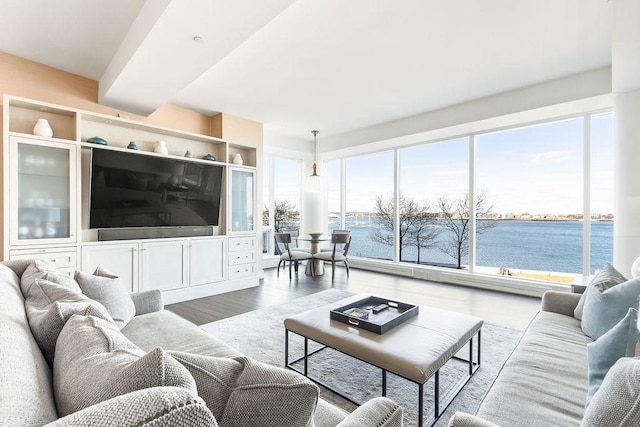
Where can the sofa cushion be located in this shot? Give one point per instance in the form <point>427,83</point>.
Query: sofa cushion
<point>545,379</point>
<point>618,342</point>
<point>49,306</point>
<point>244,392</point>
<point>110,291</point>
<point>158,329</point>
<point>95,362</point>
<point>26,396</point>
<point>617,401</point>
<point>606,278</point>
<point>41,269</point>
<point>604,308</point>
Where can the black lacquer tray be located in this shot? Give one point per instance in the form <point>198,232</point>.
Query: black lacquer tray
<point>360,314</point>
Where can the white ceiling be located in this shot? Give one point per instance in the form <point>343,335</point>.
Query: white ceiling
<point>297,65</point>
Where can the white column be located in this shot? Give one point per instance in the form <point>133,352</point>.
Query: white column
<point>626,87</point>
<point>626,241</point>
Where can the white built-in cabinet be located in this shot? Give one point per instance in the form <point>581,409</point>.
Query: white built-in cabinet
<point>42,197</point>
<point>165,264</point>
<point>45,199</point>
<point>207,261</point>
<point>121,257</point>
<point>242,257</point>
<point>241,201</point>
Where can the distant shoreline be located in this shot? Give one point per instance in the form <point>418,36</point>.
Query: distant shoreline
<point>367,215</point>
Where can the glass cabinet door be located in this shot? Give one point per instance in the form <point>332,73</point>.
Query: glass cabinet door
<point>42,185</point>
<point>242,201</point>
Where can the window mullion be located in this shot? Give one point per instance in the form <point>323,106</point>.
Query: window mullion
<point>472,203</point>
<point>396,204</point>
<point>586,210</point>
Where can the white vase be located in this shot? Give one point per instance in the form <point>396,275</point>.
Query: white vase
<point>42,128</point>
<point>237,159</point>
<point>161,147</point>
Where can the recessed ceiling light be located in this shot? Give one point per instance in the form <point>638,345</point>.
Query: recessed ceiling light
<point>198,39</point>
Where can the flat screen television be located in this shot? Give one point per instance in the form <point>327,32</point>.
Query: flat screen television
<point>130,189</point>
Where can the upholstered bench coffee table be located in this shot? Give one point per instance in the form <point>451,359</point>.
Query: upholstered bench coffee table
<point>414,350</point>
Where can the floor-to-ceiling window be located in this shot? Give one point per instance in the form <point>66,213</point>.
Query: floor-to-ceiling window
<point>434,179</point>
<point>531,179</point>
<point>286,194</point>
<point>530,187</point>
<point>334,185</point>
<point>369,187</point>
<point>281,196</point>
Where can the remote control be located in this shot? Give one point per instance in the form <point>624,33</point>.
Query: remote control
<point>380,308</point>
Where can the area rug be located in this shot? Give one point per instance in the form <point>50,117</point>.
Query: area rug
<point>260,334</point>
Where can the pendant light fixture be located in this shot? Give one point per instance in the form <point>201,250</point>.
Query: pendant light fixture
<point>313,180</point>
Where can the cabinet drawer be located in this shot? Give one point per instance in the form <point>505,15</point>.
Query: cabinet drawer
<point>236,258</point>
<point>237,244</point>
<point>61,260</point>
<point>243,270</point>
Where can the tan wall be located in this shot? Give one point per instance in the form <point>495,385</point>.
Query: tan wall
<point>28,79</point>
<point>237,130</point>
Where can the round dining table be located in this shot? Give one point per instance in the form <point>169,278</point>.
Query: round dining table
<point>318,265</point>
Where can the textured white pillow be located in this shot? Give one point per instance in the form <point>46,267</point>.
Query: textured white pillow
<point>243,392</point>
<point>49,306</point>
<point>41,269</point>
<point>606,278</point>
<point>94,362</point>
<point>108,289</point>
<point>616,401</point>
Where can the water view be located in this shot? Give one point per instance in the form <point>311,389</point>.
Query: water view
<point>528,245</point>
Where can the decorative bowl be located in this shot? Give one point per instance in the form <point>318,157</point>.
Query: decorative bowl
<point>132,146</point>
<point>209,157</point>
<point>97,140</point>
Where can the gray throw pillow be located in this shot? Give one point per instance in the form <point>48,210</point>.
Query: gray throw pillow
<point>49,306</point>
<point>603,353</point>
<point>606,278</point>
<point>94,362</point>
<point>243,392</point>
<point>603,309</point>
<point>41,269</point>
<point>108,289</point>
<point>616,402</point>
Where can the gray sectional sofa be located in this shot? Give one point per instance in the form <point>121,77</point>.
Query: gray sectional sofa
<point>545,380</point>
<point>28,395</point>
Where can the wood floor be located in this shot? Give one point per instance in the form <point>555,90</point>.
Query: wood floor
<point>509,310</point>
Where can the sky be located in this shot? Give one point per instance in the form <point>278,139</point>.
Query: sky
<point>534,169</point>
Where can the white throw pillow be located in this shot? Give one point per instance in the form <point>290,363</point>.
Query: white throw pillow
<point>616,401</point>
<point>110,291</point>
<point>605,279</point>
<point>243,392</point>
<point>41,269</point>
<point>94,362</point>
<point>49,306</point>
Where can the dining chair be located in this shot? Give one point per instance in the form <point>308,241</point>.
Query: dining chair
<point>336,255</point>
<point>341,248</point>
<point>295,234</point>
<point>290,255</point>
